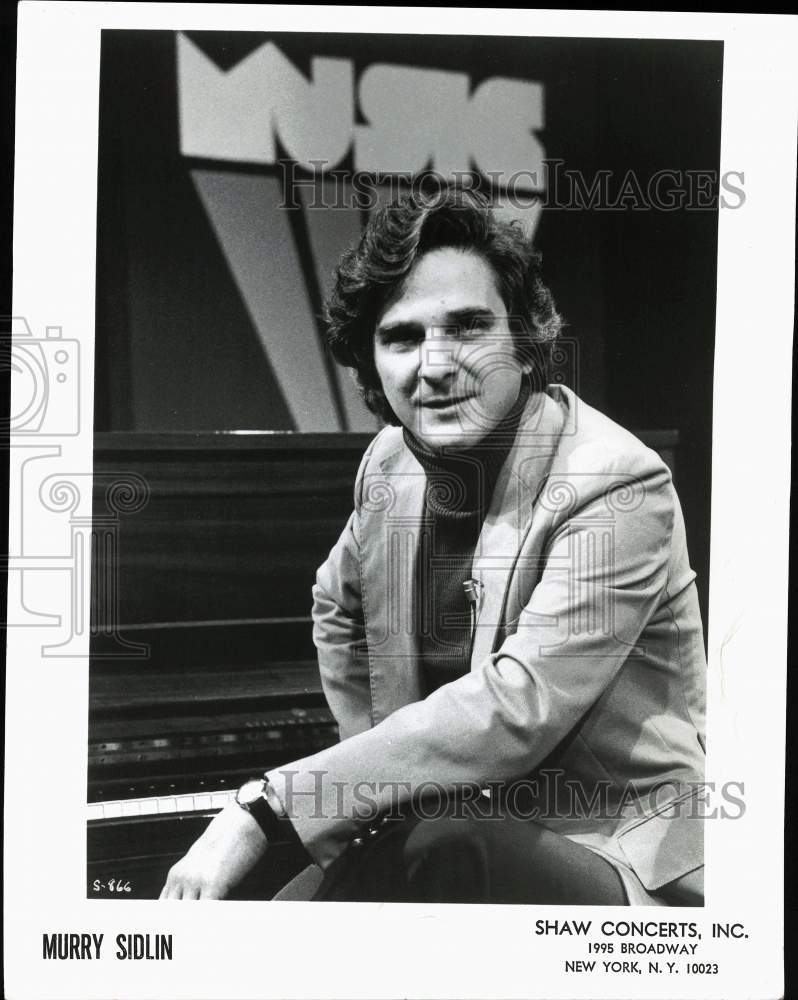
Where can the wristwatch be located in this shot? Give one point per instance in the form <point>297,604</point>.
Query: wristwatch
<point>256,796</point>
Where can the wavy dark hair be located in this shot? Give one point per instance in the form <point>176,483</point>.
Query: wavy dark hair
<point>395,238</point>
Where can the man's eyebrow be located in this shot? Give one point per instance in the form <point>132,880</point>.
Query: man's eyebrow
<point>401,326</point>
<point>465,316</point>
<point>469,314</point>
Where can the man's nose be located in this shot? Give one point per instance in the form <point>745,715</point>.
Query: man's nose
<point>438,361</point>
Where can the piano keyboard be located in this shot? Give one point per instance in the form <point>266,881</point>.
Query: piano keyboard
<point>160,805</point>
<point>168,805</point>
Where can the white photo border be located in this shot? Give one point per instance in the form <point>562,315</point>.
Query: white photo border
<point>246,949</point>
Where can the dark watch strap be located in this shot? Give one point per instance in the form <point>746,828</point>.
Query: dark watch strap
<point>277,829</point>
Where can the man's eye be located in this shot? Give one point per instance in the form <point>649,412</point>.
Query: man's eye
<point>465,331</point>
<point>474,329</point>
<point>401,340</point>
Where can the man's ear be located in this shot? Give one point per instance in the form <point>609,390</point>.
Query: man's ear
<point>529,359</point>
<point>527,352</point>
<point>534,363</point>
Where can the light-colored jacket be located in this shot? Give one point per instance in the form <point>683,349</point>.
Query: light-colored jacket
<point>587,669</point>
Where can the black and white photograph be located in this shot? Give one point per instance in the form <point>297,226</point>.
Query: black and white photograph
<point>518,245</point>
<point>390,543</point>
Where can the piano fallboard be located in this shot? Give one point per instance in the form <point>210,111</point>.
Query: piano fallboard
<point>155,730</point>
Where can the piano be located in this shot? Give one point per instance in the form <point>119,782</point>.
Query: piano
<point>202,668</point>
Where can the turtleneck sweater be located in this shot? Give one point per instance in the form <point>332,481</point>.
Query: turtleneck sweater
<point>459,488</point>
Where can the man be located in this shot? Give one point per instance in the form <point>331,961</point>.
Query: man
<point>508,620</point>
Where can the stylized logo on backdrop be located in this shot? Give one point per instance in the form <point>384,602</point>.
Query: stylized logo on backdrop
<point>264,112</point>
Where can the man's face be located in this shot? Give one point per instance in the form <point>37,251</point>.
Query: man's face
<point>444,351</point>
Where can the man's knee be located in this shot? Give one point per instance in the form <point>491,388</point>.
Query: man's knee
<point>445,860</point>
<point>443,833</point>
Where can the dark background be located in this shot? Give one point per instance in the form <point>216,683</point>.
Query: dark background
<point>175,346</point>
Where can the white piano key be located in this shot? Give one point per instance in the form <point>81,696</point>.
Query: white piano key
<point>220,799</point>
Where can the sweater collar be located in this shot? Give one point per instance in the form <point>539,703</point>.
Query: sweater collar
<point>460,481</point>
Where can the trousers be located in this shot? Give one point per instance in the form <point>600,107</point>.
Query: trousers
<point>468,860</point>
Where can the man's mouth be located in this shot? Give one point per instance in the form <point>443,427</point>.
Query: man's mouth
<point>444,403</point>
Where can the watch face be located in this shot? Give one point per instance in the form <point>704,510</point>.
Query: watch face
<point>250,791</point>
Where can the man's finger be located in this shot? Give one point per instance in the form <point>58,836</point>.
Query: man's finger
<point>173,889</point>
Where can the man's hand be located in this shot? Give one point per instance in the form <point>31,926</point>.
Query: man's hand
<point>228,849</point>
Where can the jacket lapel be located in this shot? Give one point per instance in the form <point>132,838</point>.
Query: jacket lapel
<point>392,521</point>
<point>507,523</point>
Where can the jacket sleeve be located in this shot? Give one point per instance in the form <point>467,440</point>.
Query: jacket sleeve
<point>338,626</point>
<point>500,721</point>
